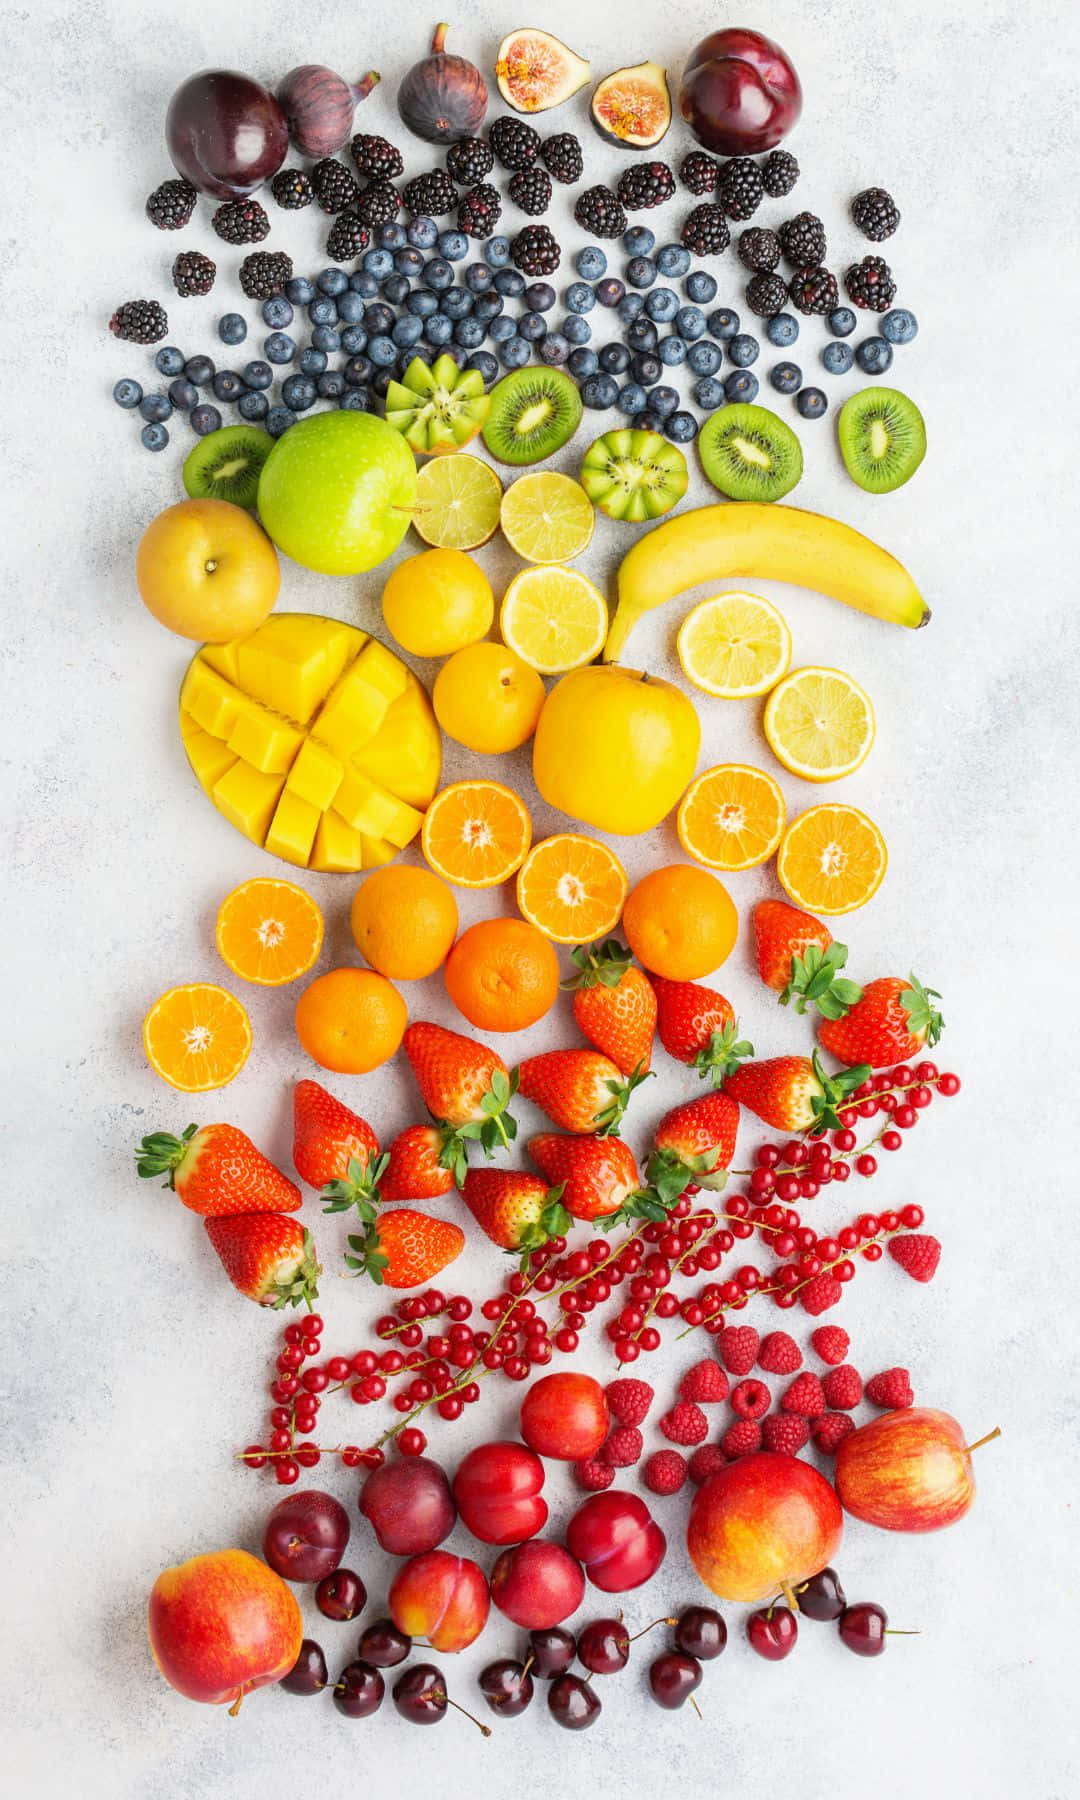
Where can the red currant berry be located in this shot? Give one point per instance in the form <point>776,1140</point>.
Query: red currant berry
<point>626,1350</point>
<point>948,1085</point>
<point>410,1442</point>
<point>920,1097</point>
<point>365,1362</point>
<point>872,1253</point>
<point>912,1217</point>
<point>451,1407</point>
<point>891,1140</point>
<point>566,1340</point>
<point>905,1117</point>
<point>351,1456</point>
<point>254,1456</point>
<point>766,1156</point>
<point>308,1455</point>
<point>866,1164</point>
<point>286,1472</point>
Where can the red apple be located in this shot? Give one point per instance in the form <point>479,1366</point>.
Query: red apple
<point>441,1597</point>
<point>537,1584</point>
<point>306,1535</point>
<point>565,1416</point>
<point>618,1540</point>
<point>409,1504</point>
<point>763,1524</point>
<point>740,93</point>
<point>908,1470</point>
<point>221,1625</point>
<point>497,1489</point>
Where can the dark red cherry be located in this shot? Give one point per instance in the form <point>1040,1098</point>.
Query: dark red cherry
<point>420,1696</point>
<point>604,1646</point>
<point>673,1677</point>
<point>772,1632</point>
<point>383,1645</point>
<point>821,1597</point>
<point>862,1628</point>
<point>572,1703</point>
<point>308,1673</point>
<point>552,1651</point>
<point>701,1632</point>
<point>341,1596</point>
<point>359,1690</point>
<point>506,1686</point>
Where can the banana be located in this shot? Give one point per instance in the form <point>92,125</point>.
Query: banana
<point>774,543</point>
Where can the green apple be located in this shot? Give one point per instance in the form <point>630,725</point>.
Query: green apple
<point>337,490</point>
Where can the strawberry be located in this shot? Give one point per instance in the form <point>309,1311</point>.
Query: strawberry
<point>518,1211</point>
<point>697,1140</point>
<point>793,1093</point>
<point>783,935</point>
<point>614,1004</point>
<point>697,1027</point>
<point>580,1090</point>
<point>464,1086</point>
<point>403,1248</point>
<point>917,1253</point>
<point>421,1164</point>
<point>217,1171</point>
<point>335,1150</point>
<point>891,1023</point>
<point>268,1257</point>
<point>598,1175</point>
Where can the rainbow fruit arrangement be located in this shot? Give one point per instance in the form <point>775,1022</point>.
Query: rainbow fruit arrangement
<point>319,743</point>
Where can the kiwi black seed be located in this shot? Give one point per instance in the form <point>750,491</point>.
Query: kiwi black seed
<point>882,438</point>
<point>634,475</point>
<point>534,411</point>
<point>226,464</point>
<point>750,454</point>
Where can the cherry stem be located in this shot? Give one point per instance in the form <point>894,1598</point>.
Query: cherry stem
<point>486,1729</point>
<point>893,1631</point>
<point>527,1664</point>
<point>647,1628</point>
<point>695,1706</point>
<point>979,1442</point>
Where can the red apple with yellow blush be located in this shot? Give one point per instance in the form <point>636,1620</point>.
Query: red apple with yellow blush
<point>762,1525</point>
<point>908,1470</point>
<point>221,1625</point>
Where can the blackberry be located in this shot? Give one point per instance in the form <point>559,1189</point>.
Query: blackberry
<point>376,157</point>
<point>469,160</point>
<point>802,239</point>
<point>531,190</point>
<point>264,273</point>
<point>766,295</point>
<point>562,158</point>
<point>349,237</point>
<point>759,249</point>
<point>515,144</point>
<point>741,187</point>
<point>171,205</point>
<point>869,284</point>
<point>535,252</point>
<point>292,189</point>
<point>813,290</point>
<point>779,173</point>
<point>139,322</point>
<point>644,185</point>
<point>241,222</point>
<point>699,173</point>
<point>875,213</point>
<point>430,195</point>
<point>335,186</point>
<point>193,273</point>
<point>480,211</point>
<point>599,212</point>
<point>705,230</point>
<point>379,203</point>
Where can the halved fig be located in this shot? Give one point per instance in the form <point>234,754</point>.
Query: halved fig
<point>632,107</point>
<point>536,71</point>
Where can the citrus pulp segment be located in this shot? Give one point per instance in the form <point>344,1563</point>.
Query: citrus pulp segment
<point>572,888</point>
<point>832,859</point>
<point>734,646</point>
<point>476,833</point>
<point>732,817</point>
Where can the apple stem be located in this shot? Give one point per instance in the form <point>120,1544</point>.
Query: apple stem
<point>237,1703</point>
<point>979,1442</point>
<point>789,1595</point>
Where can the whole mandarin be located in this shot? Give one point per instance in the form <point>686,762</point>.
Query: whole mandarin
<point>502,974</point>
<point>350,1020</point>
<point>680,922</point>
<point>487,698</point>
<point>404,921</point>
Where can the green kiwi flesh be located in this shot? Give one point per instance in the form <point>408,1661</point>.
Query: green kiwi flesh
<point>534,412</point>
<point>750,454</point>
<point>882,438</point>
<point>226,464</point>
<point>634,475</point>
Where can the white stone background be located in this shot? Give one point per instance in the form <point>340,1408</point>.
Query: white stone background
<point>132,1370</point>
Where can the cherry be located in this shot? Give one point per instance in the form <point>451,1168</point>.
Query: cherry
<point>551,1651</point>
<point>701,1632</point>
<point>383,1645</point>
<point>341,1596</point>
<point>359,1690</point>
<point>863,1628</point>
<point>572,1703</point>
<point>772,1632</point>
<point>821,1597</point>
<point>420,1696</point>
<point>507,1687</point>
<point>308,1673</point>
<point>604,1646</point>
<point>673,1677</point>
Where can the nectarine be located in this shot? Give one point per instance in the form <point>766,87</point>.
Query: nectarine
<point>441,1597</point>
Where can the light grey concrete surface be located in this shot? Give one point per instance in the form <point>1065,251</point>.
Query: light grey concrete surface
<point>132,1370</point>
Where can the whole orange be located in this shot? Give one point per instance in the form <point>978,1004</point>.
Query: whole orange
<point>350,1020</point>
<point>502,974</point>
<point>404,921</point>
<point>680,922</point>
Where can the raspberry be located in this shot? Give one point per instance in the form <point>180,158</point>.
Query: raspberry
<point>917,1253</point>
<point>685,1424</point>
<point>750,1399</point>
<point>805,1396</point>
<point>842,1388</point>
<point>623,1447</point>
<point>707,1460</point>
<point>664,1472</point>
<point>821,1292</point>
<point>890,1389</point>
<point>831,1343</point>
<point>594,1475</point>
<point>705,1382</point>
<point>629,1400</point>
<point>738,1347</point>
<point>783,1432</point>
<point>779,1354</point>
<point>830,1431</point>
<point>741,1438</point>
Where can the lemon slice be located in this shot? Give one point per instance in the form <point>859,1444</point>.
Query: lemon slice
<point>734,646</point>
<point>554,618</point>
<point>457,502</point>
<point>547,518</point>
<point>819,723</point>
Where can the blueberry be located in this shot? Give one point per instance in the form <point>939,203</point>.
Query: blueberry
<point>437,332</point>
<point>723,324</point>
<point>378,317</point>
<point>331,386</point>
<point>690,322</point>
<point>396,289</point>
<point>358,371</point>
<point>673,260</point>
<point>183,394</point>
<point>300,290</point>
<point>509,283</point>
<point>591,262</point>
<point>326,337</point>
<point>353,338</point>
<point>169,360</point>
<point>629,308</point>
<point>278,420</point>
<point>379,263</point>
<point>204,419</point>
<point>632,399</point>
<point>643,335</point>
<point>600,392</point>
<point>456,303</point>
<point>641,271</point>
<point>407,262</point>
<point>497,252</point>
<point>127,393</point>
<point>454,245</point>
<point>897,327</point>
<point>540,296</point>
<point>470,334</point>
<point>672,350</point>
<point>646,368</point>
<point>485,362</point>
<point>253,407</point>
<point>662,305</point>
<point>478,277</point>
<point>874,355</point>
<point>407,331</point>
<point>681,427</point>
<point>228,386</point>
<point>639,241</point>
<point>708,393</point>
<point>614,359</point>
<point>705,358</point>
<point>500,328</point>
<point>554,349</point>
<point>532,327</point>
<point>200,370</point>
<point>583,362</point>
<point>422,233</point>
<point>350,308</point>
<point>232,327</point>
<point>383,350</point>
<point>649,420</point>
<point>612,292</point>
<point>812,403</point>
<point>154,437</point>
<point>741,386</point>
<point>299,392</point>
<point>277,312</point>
<point>837,358</point>
<point>842,321</point>
<point>156,408</point>
<point>576,330</point>
<point>439,275</point>
<point>663,400</point>
<point>360,282</point>
<point>392,236</point>
<point>782,330</point>
<point>515,353</point>
<point>700,286</point>
<point>331,281</point>
<point>580,297</point>
<point>487,306</point>
<point>380,382</point>
<point>355,399</point>
<point>743,350</point>
<point>786,377</point>
<point>422,303</point>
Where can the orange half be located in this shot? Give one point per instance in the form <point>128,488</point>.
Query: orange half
<point>476,833</point>
<point>197,1037</point>
<point>572,888</point>
<point>832,859</point>
<point>731,817</point>
<point>269,932</point>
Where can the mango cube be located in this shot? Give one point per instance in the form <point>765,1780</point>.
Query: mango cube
<point>292,829</point>
<point>316,775</point>
<point>293,660</point>
<point>352,714</point>
<point>377,851</point>
<point>265,740</point>
<point>375,812</point>
<point>208,756</point>
<point>338,848</point>
<point>224,659</point>
<point>382,669</point>
<point>405,756</point>
<point>247,798</point>
<point>212,702</point>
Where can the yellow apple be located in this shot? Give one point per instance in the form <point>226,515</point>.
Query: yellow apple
<point>207,571</point>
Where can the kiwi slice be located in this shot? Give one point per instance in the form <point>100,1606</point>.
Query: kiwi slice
<point>750,454</point>
<point>534,412</point>
<point>634,475</point>
<point>882,438</point>
<point>226,464</point>
<point>437,408</point>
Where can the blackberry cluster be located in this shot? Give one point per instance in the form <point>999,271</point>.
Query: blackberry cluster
<point>562,158</point>
<point>379,203</point>
<point>814,290</point>
<point>531,190</point>
<point>430,195</point>
<point>139,322</point>
<point>241,222</point>
<point>535,252</point>
<point>705,231</point>
<point>779,173</point>
<point>600,212</point>
<point>264,273</point>
<point>766,295</point>
<point>699,172</point>
<point>348,237</point>
<point>875,213</point>
<point>759,249</point>
<point>869,284</point>
<point>335,187</point>
<point>515,144</point>
<point>193,273</point>
<point>480,210</point>
<point>469,160</point>
<point>292,189</point>
<point>644,185</point>
<point>171,205</point>
<point>802,239</point>
<point>741,187</point>
<point>376,157</point>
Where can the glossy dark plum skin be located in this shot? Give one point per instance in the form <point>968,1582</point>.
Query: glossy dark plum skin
<point>226,133</point>
<point>409,1504</point>
<point>306,1535</point>
<point>740,93</point>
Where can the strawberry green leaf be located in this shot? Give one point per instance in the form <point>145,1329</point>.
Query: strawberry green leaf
<point>162,1154</point>
<point>923,1018</point>
<point>722,1054</point>
<point>816,980</point>
<point>598,965</point>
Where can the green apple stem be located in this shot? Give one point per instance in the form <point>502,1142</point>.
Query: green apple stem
<point>979,1442</point>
